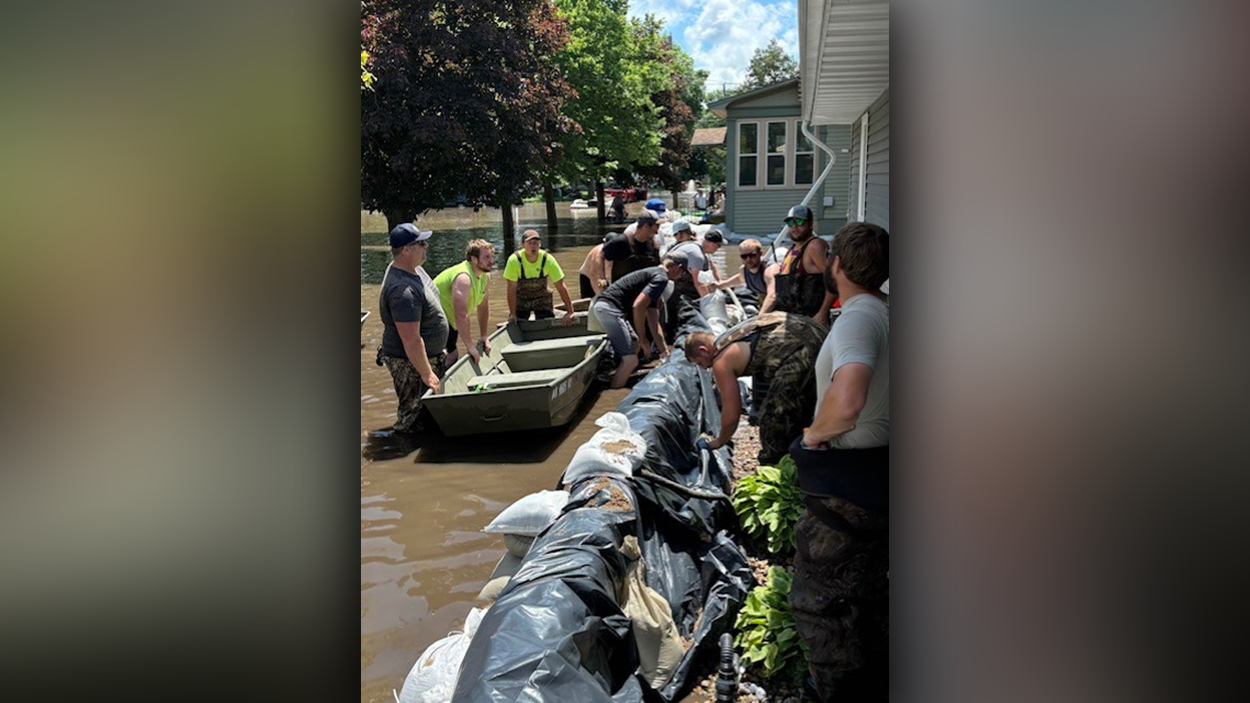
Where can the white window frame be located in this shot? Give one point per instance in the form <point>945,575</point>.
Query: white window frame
<point>738,155</point>
<point>794,165</point>
<point>863,167</point>
<point>761,154</point>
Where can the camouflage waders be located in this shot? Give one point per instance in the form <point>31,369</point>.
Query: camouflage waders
<point>840,595</point>
<point>783,377</point>
<point>409,387</point>
<point>532,294</point>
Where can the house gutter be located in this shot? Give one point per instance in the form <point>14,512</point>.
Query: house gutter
<point>833,159</point>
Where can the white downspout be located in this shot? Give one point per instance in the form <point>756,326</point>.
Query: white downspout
<point>833,159</point>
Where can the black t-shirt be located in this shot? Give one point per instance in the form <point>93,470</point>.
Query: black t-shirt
<point>616,247</point>
<point>624,291</point>
<point>408,298</point>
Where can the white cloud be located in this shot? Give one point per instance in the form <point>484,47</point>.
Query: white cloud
<point>727,32</point>
<point>675,13</point>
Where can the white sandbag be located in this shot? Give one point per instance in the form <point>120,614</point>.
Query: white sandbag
<point>433,678</point>
<point>518,545</point>
<point>615,449</point>
<point>529,515</point>
<point>490,592</point>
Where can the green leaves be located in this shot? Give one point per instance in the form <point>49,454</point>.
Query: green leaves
<point>766,630</point>
<point>768,505</point>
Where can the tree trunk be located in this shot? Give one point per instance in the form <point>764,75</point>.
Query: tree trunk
<point>549,195</point>
<point>509,226</point>
<point>395,218</point>
<point>603,213</point>
<point>673,193</point>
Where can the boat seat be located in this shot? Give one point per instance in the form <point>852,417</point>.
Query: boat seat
<point>541,345</point>
<point>524,378</point>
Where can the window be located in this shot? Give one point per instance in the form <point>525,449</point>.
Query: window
<point>776,167</point>
<point>804,158</point>
<point>774,159</point>
<point>748,150</point>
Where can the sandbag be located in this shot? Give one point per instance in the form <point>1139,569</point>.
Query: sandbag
<point>433,678</point>
<point>651,619</point>
<point>615,449</point>
<point>529,515</point>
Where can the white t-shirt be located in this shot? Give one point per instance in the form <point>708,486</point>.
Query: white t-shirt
<point>860,334</point>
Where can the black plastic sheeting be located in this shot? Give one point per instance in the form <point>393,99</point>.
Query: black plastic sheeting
<point>557,632</point>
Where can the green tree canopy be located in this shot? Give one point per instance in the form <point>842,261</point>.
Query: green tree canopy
<point>466,102</point>
<point>613,83</point>
<point>678,96</point>
<point>770,64</point>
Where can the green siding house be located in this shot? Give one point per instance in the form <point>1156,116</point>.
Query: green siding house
<point>771,166</point>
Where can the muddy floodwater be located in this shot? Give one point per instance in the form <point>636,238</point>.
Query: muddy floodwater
<point>423,502</point>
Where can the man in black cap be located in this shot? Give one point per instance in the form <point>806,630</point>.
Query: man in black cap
<point>635,249</point>
<point>799,285</point>
<point>635,297</point>
<point>414,325</point>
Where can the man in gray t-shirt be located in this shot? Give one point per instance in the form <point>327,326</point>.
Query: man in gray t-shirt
<point>414,325</point>
<point>840,595</point>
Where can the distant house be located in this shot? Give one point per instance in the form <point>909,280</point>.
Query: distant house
<point>771,165</point>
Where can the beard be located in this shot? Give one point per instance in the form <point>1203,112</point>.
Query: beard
<point>831,283</point>
<point>801,235</point>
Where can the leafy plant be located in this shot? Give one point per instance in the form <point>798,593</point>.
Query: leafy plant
<point>766,631</point>
<point>768,504</point>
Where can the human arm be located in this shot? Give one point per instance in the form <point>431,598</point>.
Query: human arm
<point>699,285</point>
<point>568,302</point>
<point>732,282</point>
<point>730,400</point>
<point>770,297</point>
<point>511,300</point>
<point>483,321</point>
<point>814,261</point>
<point>460,306</point>
<point>841,405</point>
<point>414,349</point>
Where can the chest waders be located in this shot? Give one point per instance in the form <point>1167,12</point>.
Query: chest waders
<point>798,291</point>
<point>532,294</point>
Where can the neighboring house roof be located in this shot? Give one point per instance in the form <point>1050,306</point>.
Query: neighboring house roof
<point>709,136</point>
<point>721,107</point>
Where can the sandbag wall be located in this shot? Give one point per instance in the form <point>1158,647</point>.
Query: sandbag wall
<point>557,632</point>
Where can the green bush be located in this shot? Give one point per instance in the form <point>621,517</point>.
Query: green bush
<point>766,632</point>
<point>768,505</point>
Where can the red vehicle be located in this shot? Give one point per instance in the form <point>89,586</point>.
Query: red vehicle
<point>628,194</point>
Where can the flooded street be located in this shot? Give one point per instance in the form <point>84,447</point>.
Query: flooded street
<point>423,503</point>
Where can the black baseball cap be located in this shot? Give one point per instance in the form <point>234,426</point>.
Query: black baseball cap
<point>406,234</point>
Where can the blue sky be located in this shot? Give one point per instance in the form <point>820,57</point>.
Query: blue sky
<point>721,35</point>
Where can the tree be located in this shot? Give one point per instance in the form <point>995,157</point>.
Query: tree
<point>679,98</point>
<point>465,102</point>
<point>619,124</point>
<point>770,64</point>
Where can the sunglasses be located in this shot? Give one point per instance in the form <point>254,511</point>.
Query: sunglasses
<point>752,255</point>
<point>534,240</point>
<point>796,221</point>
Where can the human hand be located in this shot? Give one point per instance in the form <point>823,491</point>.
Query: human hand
<point>512,317</point>
<point>430,380</point>
<point>475,354</point>
<point>485,344</point>
<point>568,318</point>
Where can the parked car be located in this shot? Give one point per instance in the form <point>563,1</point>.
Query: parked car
<point>628,194</point>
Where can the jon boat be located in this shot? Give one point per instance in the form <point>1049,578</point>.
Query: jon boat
<point>534,377</point>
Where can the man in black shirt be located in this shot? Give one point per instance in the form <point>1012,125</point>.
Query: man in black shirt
<point>414,325</point>
<point>635,297</point>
